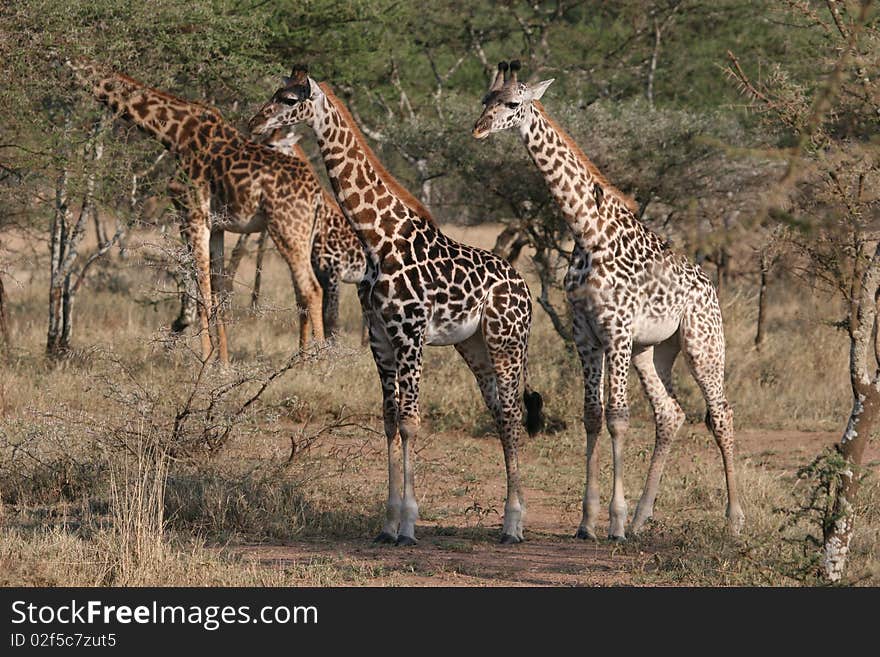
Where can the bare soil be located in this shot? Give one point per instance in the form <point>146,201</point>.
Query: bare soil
<point>460,549</point>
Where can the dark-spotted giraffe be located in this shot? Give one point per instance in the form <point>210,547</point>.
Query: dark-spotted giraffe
<point>337,253</point>
<point>421,288</point>
<point>633,301</point>
<point>233,184</point>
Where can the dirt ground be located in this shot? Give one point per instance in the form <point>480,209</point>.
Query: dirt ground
<point>461,548</point>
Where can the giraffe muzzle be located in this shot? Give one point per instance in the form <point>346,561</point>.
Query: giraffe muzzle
<point>481,130</point>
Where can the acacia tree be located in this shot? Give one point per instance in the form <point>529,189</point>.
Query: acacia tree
<point>830,187</point>
<point>58,137</point>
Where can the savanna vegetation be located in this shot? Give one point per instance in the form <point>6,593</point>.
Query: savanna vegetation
<point>745,130</point>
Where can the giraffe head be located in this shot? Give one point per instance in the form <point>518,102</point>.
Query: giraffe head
<point>507,103</point>
<point>92,76</point>
<point>293,103</point>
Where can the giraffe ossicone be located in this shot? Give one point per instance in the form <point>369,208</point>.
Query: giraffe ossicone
<point>633,301</point>
<point>421,288</point>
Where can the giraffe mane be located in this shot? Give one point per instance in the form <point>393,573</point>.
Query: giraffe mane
<point>593,170</point>
<point>166,95</point>
<point>405,196</point>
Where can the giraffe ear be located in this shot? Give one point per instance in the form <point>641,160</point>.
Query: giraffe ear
<point>535,91</point>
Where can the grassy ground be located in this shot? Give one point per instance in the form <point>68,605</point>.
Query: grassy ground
<point>293,493</point>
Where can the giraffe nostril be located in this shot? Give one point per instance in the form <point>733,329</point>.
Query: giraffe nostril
<point>481,129</point>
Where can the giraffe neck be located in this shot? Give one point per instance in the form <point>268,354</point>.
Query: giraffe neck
<point>585,197</point>
<point>175,122</point>
<point>376,206</point>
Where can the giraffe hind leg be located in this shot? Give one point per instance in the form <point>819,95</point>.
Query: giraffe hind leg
<point>309,297</point>
<point>654,367</point>
<point>476,355</point>
<point>506,349</point>
<point>702,339</point>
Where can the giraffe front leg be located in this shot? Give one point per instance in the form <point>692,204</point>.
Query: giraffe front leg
<point>592,360</point>
<point>409,371</point>
<point>383,355</point>
<point>199,238</point>
<point>330,289</point>
<point>617,417</point>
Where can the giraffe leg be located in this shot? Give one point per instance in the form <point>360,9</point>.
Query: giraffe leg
<point>365,331</point>
<point>199,237</point>
<point>383,355</point>
<point>219,293</point>
<point>592,359</point>
<point>654,366</point>
<point>478,359</point>
<point>508,373</point>
<point>617,417</point>
<point>305,285</point>
<point>476,355</point>
<point>702,340</point>
<point>507,343</point>
<point>408,352</point>
<point>330,291</point>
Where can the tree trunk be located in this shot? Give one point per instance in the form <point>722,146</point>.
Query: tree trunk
<point>652,67</point>
<point>97,154</point>
<point>762,300</point>
<point>57,246</point>
<point>258,275</point>
<point>865,380</point>
<point>66,272</point>
<point>839,523</point>
<point>4,330</point>
<point>722,267</point>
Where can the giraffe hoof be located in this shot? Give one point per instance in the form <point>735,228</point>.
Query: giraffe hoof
<point>586,534</point>
<point>385,538</point>
<point>405,541</point>
<point>616,539</point>
<point>510,539</point>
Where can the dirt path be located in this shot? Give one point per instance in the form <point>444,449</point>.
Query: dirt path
<point>459,547</point>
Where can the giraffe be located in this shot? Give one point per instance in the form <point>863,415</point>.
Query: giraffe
<point>633,301</point>
<point>337,253</point>
<point>233,184</point>
<point>421,288</point>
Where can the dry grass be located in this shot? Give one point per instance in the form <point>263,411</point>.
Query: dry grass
<point>92,496</point>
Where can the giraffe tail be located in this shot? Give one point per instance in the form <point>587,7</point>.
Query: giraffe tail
<point>534,405</point>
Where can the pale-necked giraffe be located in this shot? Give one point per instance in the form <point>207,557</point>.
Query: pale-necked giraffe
<point>337,253</point>
<point>233,184</point>
<point>633,300</point>
<point>421,288</point>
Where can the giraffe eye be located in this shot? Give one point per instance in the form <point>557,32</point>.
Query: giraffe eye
<point>512,105</point>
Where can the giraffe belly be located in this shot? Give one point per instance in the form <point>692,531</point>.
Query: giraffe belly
<point>234,224</point>
<point>650,330</point>
<point>443,331</point>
